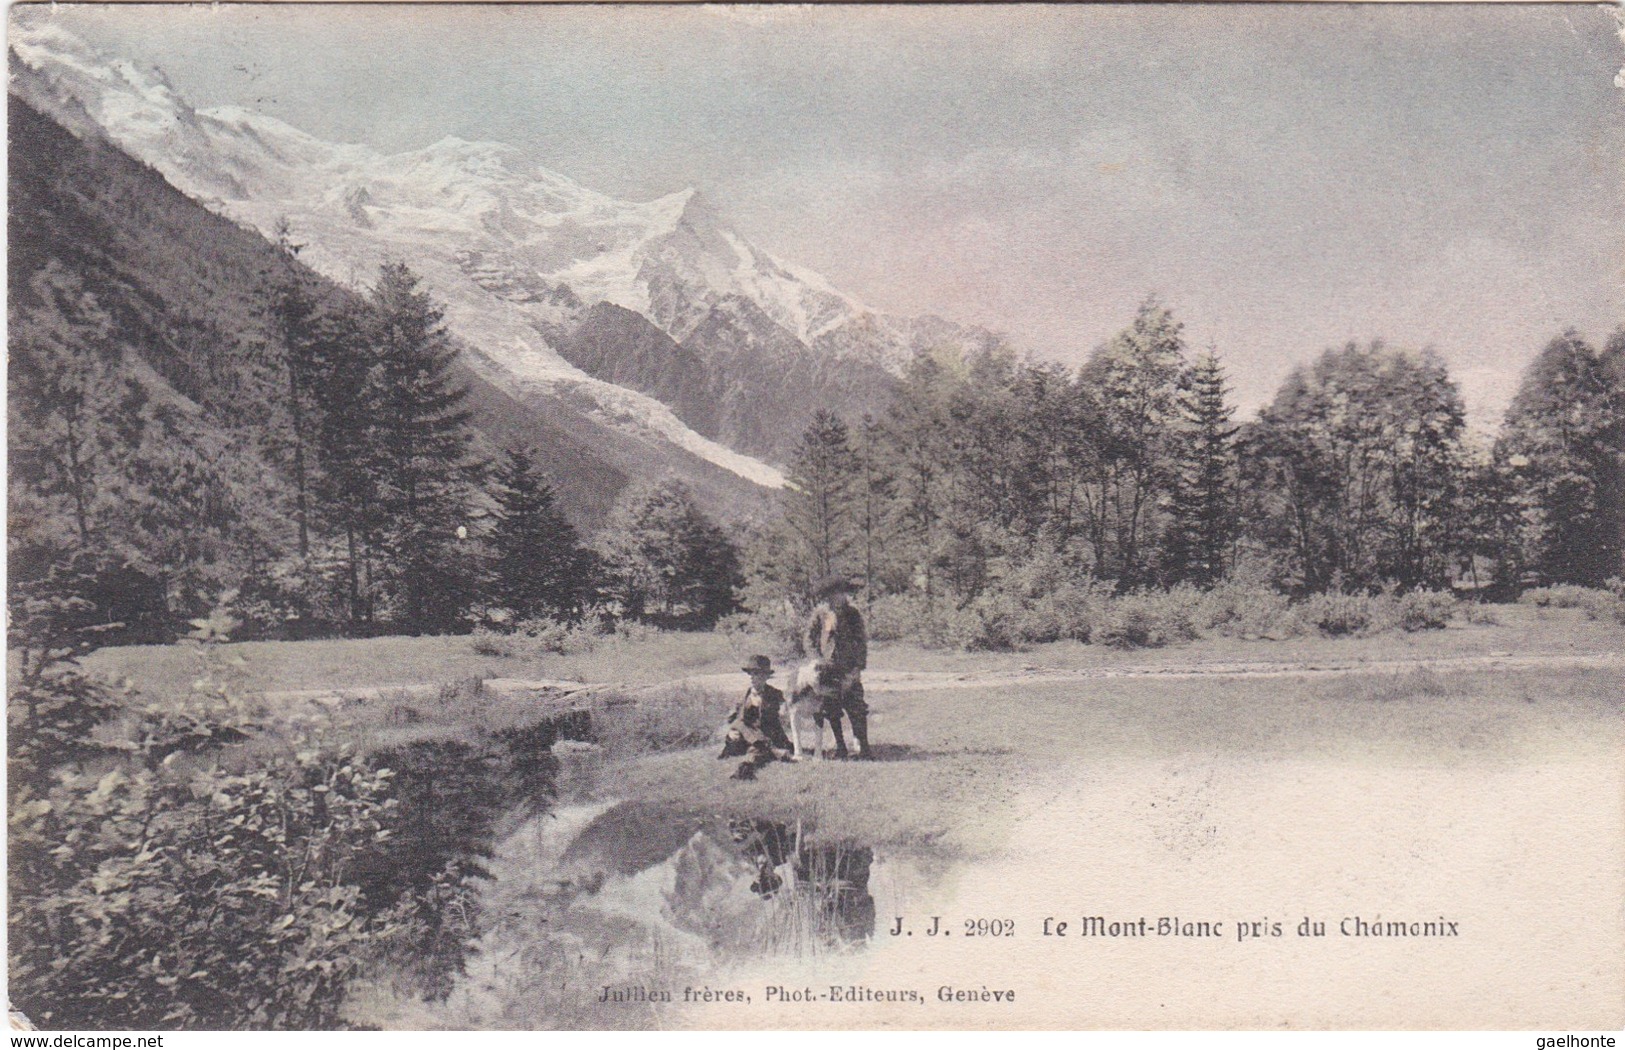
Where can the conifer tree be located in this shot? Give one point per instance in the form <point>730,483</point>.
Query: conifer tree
<point>876,490</point>
<point>424,444</point>
<point>296,327</point>
<point>1203,505</point>
<point>538,566</point>
<point>350,489</point>
<point>665,561</point>
<point>820,502</point>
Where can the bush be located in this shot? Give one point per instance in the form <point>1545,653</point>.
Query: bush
<point>1248,611</point>
<point>1042,596</point>
<point>938,624</point>
<point>1560,596</point>
<point>1597,603</point>
<point>152,888</point>
<point>1337,614</point>
<point>1423,610</point>
<point>1607,604</point>
<point>1149,619</point>
<point>534,639</point>
<point>145,898</point>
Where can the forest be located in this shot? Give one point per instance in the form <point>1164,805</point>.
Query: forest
<point>336,486</point>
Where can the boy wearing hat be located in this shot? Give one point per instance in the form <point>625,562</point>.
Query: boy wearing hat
<point>756,728</point>
<point>836,636</point>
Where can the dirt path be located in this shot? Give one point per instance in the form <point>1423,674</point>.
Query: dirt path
<point>909,681</point>
<point>569,693</point>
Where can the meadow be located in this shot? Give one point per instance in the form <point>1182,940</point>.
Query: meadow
<point>956,732</point>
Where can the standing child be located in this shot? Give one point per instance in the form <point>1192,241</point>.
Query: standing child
<point>756,728</point>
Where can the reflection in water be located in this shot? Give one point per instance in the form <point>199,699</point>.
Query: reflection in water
<point>833,879</point>
<point>558,902</point>
<point>636,894</point>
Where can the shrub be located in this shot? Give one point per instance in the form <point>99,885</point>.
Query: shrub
<point>1597,603</point>
<point>1479,613</point>
<point>1149,619</point>
<point>1043,596</point>
<point>1248,611</point>
<point>152,888</point>
<point>1068,610</point>
<point>1338,614</point>
<point>144,898</point>
<point>1607,604</point>
<point>909,617</point>
<point>534,639</point>
<point>773,628</point>
<point>1559,596</point>
<point>1423,610</point>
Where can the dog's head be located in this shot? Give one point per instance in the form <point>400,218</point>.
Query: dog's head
<point>805,683</point>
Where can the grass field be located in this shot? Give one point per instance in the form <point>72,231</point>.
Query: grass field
<point>162,671</point>
<point>952,757</point>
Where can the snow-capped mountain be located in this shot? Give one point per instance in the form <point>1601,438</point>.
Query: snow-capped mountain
<point>716,346</point>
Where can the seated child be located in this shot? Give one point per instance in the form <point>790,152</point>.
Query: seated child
<point>755,728</point>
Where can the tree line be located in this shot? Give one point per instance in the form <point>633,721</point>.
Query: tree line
<point>997,479</point>
<point>355,497</point>
<point>348,492</point>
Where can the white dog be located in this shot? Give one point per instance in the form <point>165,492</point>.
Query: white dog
<point>805,699</point>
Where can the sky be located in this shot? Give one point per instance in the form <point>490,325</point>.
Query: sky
<point>1286,178</point>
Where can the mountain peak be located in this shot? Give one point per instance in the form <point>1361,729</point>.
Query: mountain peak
<point>516,252</point>
<point>675,209</point>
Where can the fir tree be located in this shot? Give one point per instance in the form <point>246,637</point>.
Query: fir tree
<point>820,502</point>
<point>295,326</point>
<point>424,445</point>
<point>538,567</point>
<point>665,561</point>
<point>1203,507</point>
<point>350,489</point>
<point>876,490</point>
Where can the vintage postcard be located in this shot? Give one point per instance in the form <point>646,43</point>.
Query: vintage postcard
<point>841,517</point>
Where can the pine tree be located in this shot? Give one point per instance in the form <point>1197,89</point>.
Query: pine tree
<point>820,502</point>
<point>538,566</point>
<point>296,327</point>
<point>916,453</point>
<point>350,489</point>
<point>875,495</point>
<point>424,443</point>
<point>1203,506</point>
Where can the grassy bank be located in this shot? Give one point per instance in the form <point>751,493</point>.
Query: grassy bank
<point>656,657</point>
